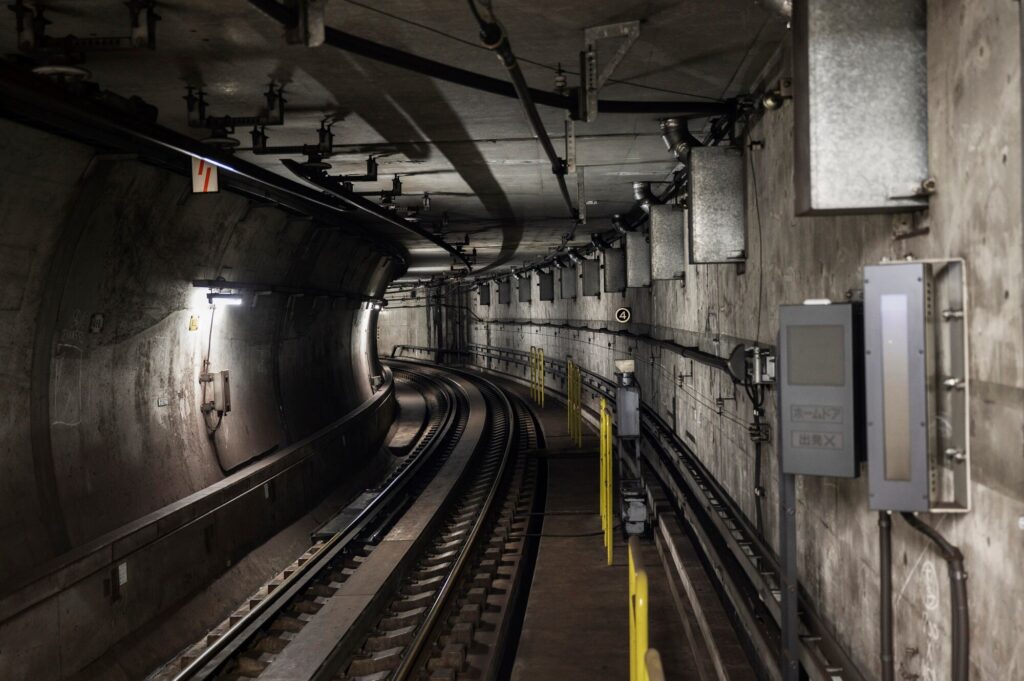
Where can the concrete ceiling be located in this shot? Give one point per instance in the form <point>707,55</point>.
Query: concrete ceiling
<point>472,151</point>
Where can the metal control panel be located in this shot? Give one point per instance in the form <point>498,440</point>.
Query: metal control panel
<point>627,400</point>
<point>917,386</point>
<point>820,388</point>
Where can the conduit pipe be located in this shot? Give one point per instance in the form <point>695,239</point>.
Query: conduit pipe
<point>495,38</point>
<point>958,597</point>
<point>885,588</point>
<point>452,74</point>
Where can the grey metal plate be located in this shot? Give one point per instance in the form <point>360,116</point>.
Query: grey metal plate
<point>568,278</point>
<point>504,292</point>
<point>668,242</point>
<point>591,277</point>
<point>819,400</point>
<point>547,285</point>
<point>485,294</point>
<point>860,97</point>
<point>896,380</point>
<point>638,260</point>
<point>614,270</point>
<point>718,213</point>
<point>525,288</point>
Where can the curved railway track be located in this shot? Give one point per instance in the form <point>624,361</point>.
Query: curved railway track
<point>423,572</point>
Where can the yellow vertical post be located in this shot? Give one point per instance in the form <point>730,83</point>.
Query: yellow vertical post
<point>609,476</point>
<point>638,613</point>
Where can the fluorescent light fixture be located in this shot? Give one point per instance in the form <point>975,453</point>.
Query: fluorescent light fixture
<point>224,298</point>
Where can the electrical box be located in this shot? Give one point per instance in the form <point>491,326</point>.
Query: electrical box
<point>546,284</point>
<point>568,281</point>
<point>821,389</point>
<point>222,392</point>
<point>591,277</point>
<point>917,386</point>
<point>638,260</point>
<point>668,242</point>
<point>718,205</point>
<point>614,270</point>
<point>525,287</point>
<point>627,400</point>
<point>504,292</point>
<point>860,97</point>
<point>485,294</point>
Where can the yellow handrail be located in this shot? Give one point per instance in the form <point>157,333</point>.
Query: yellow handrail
<point>607,475</point>
<point>638,619</point>
<point>543,375</point>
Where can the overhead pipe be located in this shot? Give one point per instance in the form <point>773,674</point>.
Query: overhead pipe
<point>453,74</point>
<point>959,614</point>
<point>495,38</point>
<point>678,139</point>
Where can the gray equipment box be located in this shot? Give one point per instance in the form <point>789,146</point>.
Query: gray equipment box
<point>627,401</point>
<point>591,277</point>
<point>525,288</point>
<point>718,208</point>
<point>546,284</point>
<point>485,294</point>
<point>668,242</point>
<point>614,270</point>
<point>917,386</point>
<point>638,260</point>
<point>821,390</point>
<point>860,105</point>
<point>504,292</point>
<point>568,279</point>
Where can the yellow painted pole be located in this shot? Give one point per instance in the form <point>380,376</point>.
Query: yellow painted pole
<point>632,614</point>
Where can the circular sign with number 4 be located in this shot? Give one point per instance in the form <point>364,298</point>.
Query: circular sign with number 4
<point>622,315</point>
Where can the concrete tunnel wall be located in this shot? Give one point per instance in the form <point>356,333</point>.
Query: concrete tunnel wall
<point>100,418</point>
<point>974,146</point>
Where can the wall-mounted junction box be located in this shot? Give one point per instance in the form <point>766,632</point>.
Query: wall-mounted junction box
<point>485,294</point>
<point>504,292</point>
<point>917,386</point>
<point>525,287</point>
<point>668,242</point>
<point>718,205</point>
<point>614,270</point>
<point>591,277</point>
<point>821,389</point>
<point>638,260</point>
<point>860,96</point>
<point>568,281</point>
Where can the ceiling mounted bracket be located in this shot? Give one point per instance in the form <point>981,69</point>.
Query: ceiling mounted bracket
<point>591,79</point>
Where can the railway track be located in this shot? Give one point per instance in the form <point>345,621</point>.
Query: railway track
<point>423,572</point>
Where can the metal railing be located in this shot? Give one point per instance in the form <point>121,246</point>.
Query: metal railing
<point>607,475</point>
<point>537,374</point>
<point>639,657</point>
<point>574,400</point>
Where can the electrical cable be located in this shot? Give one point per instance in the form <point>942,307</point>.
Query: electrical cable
<point>453,74</point>
<point>532,62</point>
<point>960,634</point>
<point>760,252</point>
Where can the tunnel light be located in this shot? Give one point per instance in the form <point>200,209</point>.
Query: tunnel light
<point>574,255</point>
<point>517,276</point>
<point>224,298</point>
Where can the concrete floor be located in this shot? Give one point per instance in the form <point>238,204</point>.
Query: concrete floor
<point>576,624</point>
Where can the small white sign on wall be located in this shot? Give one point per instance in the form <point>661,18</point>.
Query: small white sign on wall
<point>204,176</point>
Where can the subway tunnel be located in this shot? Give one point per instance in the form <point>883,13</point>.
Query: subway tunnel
<point>507,340</point>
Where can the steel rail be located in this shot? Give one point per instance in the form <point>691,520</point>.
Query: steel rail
<point>413,652</point>
<point>209,663</point>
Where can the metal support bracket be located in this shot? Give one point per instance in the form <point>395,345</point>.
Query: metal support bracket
<point>593,80</point>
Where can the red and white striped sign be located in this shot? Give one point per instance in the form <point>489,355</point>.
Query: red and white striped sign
<point>204,176</point>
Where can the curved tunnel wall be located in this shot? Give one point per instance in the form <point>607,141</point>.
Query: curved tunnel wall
<point>103,339</point>
<point>974,138</point>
